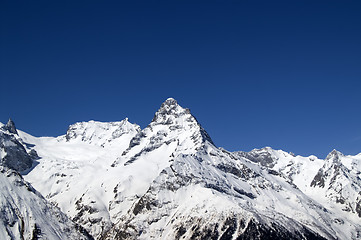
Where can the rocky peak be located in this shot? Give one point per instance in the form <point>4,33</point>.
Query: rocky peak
<point>13,154</point>
<point>170,102</point>
<point>342,186</point>
<point>171,125</point>
<point>178,119</point>
<point>334,156</point>
<point>331,168</point>
<point>169,111</point>
<point>265,156</point>
<point>10,127</point>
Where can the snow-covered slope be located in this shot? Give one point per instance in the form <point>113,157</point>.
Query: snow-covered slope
<point>300,170</point>
<point>339,181</point>
<point>169,181</point>
<point>333,182</point>
<point>74,171</point>
<point>124,160</point>
<point>211,195</point>
<point>99,133</point>
<point>25,214</point>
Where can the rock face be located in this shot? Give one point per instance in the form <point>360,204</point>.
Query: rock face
<point>25,214</point>
<point>173,126</point>
<point>170,181</point>
<point>265,156</point>
<point>13,153</point>
<point>339,183</point>
<point>10,127</point>
<point>334,181</point>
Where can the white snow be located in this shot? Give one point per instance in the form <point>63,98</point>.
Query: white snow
<point>23,209</point>
<point>99,172</point>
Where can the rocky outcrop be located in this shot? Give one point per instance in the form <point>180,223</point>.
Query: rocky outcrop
<point>339,184</point>
<point>13,153</point>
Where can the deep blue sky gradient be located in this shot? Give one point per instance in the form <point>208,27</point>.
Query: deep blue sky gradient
<point>285,74</point>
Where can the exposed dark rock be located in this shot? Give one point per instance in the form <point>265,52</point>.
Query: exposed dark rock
<point>16,156</point>
<point>319,179</point>
<point>136,139</point>
<point>229,228</point>
<point>207,232</point>
<point>83,209</point>
<point>242,192</point>
<point>358,205</point>
<point>262,156</point>
<point>143,203</point>
<point>215,187</point>
<point>273,172</point>
<point>33,154</point>
<point>258,231</point>
<point>242,172</point>
<point>10,127</point>
<point>36,232</point>
<point>180,231</point>
<point>84,232</point>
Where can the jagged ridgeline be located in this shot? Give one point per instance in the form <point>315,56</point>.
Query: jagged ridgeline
<point>24,212</point>
<point>169,180</point>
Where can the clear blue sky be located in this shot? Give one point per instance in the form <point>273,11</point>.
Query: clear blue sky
<point>285,74</point>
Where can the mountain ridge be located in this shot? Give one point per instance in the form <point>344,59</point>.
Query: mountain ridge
<point>169,180</point>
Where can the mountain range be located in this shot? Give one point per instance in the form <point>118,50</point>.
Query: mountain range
<point>114,180</point>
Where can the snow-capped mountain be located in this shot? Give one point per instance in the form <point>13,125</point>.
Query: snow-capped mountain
<point>99,133</point>
<point>334,182</point>
<point>209,195</point>
<point>299,170</point>
<point>170,181</point>
<point>173,129</point>
<point>24,212</point>
<point>339,181</point>
<point>75,171</point>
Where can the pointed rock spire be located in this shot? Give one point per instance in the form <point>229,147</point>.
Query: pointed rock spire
<point>334,155</point>
<point>176,117</point>
<point>171,124</point>
<point>10,126</point>
<point>168,111</point>
<point>170,101</point>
